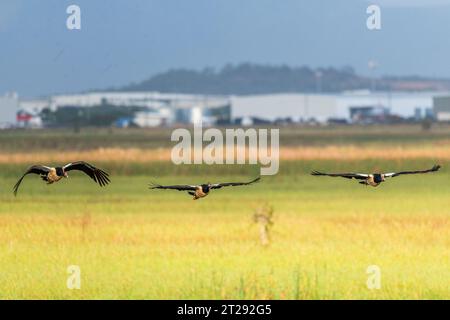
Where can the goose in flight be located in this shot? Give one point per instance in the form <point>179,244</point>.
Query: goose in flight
<point>202,190</point>
<point>54,174</point>
<point>373,179</point>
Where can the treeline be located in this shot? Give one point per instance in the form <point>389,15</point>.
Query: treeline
<point>96,116</point>
<point>247,78</point>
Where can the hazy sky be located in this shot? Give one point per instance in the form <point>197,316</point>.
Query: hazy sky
<point>122,41</point>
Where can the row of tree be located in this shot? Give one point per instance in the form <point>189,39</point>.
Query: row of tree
<point>244,79</point>
<point>247,78</point>
<point>74,116</point>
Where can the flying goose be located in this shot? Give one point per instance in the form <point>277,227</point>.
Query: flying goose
<point>54,174</point>
<point>373,179</point>
<point>202,190</point>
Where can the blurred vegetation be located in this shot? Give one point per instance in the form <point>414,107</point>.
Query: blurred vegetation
<point>248,78</point>
<point>99,115</point>
<point>92,138</point>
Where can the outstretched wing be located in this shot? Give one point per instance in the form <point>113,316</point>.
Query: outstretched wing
<point>233,184</point>
<point>36,169</point>
<point>99,176</point>
<point>175,187</point>
<point>395,174</point>
<point>360,176</point>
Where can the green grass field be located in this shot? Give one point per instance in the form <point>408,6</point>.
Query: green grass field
<point>88,138</point>
<point>132,242</point>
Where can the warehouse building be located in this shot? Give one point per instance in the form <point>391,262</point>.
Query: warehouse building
<point>441,108</point>
<point>162,109</point>
<point>344,106</point>
<point>278,106</point>
<point>9,106</point>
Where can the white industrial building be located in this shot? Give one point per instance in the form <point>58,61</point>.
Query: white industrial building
<point>404,104</point>
<point>9,106</point>
<point>322,107</point>
<point>168,109</point>
<point>163,109</point>
<point>144,99</point>
<point>441,108</point>
<point>275,106</point>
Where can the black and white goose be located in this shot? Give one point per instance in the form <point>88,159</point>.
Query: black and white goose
<point>373,179</point>
<point>54,174</point>
<point>201,190</point>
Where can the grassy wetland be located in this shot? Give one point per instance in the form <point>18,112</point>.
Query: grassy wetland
<point>132,242</point>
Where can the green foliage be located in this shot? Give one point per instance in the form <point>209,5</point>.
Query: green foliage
<point>100,115</point>
<point>250,78</point>
<point>426,124</point>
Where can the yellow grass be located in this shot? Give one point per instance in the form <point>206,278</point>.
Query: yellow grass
<point>340,153</point>
<point>130,242</point>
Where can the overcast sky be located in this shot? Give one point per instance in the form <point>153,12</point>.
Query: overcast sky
<point>124,41</point>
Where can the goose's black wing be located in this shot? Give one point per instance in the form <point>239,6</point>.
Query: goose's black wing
<point>96,174</point>
<point>175,187</point>
<point>233,184</point>
<point>36,169</point>
<point>395,174</point>
<point>360,176</point>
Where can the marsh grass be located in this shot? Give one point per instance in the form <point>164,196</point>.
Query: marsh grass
<point>131,242</point>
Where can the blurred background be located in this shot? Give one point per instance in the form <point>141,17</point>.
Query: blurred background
<point>165,63</point>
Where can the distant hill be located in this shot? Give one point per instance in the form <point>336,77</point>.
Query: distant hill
<point>247,78</point>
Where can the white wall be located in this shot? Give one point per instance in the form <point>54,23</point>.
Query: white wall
<point>146,99</point>
<point>399,103</point>
<point>34,105</point>
<point>9,105</point>
<point>323,107</point>
<point>443,116</point>
<point>296,106</point>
